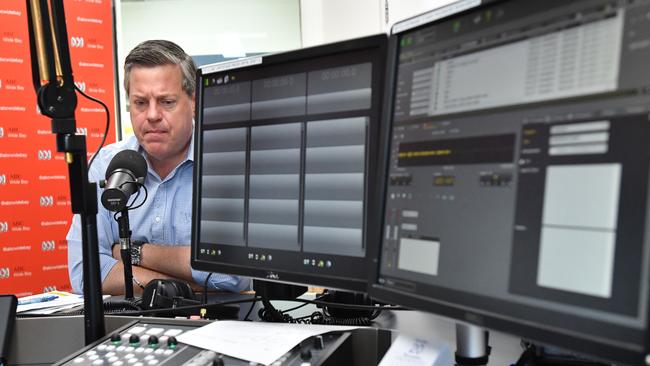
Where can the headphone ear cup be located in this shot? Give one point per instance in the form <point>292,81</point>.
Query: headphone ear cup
<point>182,289</point>
<point>166,293</point>
<point>153,295</point>
<point>173,289</point>
<point>189,293</point>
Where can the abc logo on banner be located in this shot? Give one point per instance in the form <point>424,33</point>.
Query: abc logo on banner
<point>4,273</point>
<point>44,154</point>
<point>3,179</point>
<point>47,201</point>
<point>77,41</point>
<point>4,226</point>
<point>48,245</point>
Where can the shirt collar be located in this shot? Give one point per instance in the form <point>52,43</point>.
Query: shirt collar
<point>190,151</point>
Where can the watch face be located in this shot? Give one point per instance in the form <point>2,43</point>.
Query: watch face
<point>136,252</point>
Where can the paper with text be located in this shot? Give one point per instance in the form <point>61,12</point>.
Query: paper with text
<point>254,341</point>
<point>410,351</point>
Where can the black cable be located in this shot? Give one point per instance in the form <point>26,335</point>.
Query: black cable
<point>108,123</point>
<point>205,288</point>
<point>189,307</point>
<point>255,299</point>
<point>316,301</point>
<point>118,306</point>
<point>250,310</point>
<point>295,308</point>
<point>146,195</point>
<point>303,305</point>
<point>152,311</point>
<point>351,306</point>
<point>270,314</point>
<point>301,319</point>
<point>320,318</point>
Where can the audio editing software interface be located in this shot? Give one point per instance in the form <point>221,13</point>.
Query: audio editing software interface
<point>518,166</point>
<point>284,163</point>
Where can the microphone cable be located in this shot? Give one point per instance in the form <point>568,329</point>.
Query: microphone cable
<point>108,123</point>
<point>137,194</point>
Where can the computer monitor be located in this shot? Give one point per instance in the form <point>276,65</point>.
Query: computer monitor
<point>285,149</point>
<point>516,193</point>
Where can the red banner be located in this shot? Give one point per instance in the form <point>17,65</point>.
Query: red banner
<point>35,210</point>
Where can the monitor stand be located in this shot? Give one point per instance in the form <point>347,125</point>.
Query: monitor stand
<point>268,291</point>
<point>277,291</point>
<point>349,298</point>
<point>472,346</point>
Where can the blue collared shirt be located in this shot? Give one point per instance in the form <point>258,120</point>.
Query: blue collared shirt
<point>164,218</point>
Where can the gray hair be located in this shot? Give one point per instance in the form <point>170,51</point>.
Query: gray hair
<point>159,53</point>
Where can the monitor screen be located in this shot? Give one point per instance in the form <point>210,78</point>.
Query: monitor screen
<point>516,193</point>
<point>285,149</point>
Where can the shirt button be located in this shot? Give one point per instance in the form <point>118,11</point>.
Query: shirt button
<point>157,218</point>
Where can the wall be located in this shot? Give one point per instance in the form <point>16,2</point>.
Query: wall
<point>326,21</point>
<point>207,27</point>
<point>35,207</point>
<point>400,10</point>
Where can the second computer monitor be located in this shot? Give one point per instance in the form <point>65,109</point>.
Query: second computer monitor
<point>517,188</point>
<point>286,146</point>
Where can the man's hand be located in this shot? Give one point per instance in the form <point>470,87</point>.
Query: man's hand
<point>113,284</point>
<point>116,251</point>
<point>172,261</point>
<point>158,261</point>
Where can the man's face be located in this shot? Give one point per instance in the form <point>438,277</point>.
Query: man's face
<point>161,112</point>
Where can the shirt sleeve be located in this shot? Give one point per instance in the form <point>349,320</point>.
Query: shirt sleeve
<point>220,281</point>
<point>75,254</point>
<point>75,243</point>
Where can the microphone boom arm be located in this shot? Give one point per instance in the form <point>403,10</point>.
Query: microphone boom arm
<point>56,98</point>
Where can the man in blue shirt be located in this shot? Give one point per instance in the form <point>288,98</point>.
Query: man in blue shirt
<point>160,85</point>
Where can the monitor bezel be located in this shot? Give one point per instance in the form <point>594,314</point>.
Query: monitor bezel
<point>376,42</point>
<point>471,311</point>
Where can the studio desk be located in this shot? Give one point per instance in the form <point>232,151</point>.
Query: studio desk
<point>44,341</point>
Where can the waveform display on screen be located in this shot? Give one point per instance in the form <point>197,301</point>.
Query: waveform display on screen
<point>470,150</point>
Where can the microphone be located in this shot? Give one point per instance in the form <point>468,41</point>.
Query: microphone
<point>124,175</point>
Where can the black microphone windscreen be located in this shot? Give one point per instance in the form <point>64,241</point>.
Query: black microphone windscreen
<point>130,160</point>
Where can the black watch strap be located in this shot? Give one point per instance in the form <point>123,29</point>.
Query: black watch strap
<point>136,252</point>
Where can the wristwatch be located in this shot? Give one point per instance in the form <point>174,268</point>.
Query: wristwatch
<point>136,252</point>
